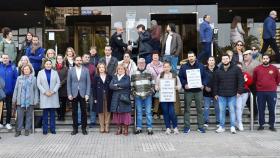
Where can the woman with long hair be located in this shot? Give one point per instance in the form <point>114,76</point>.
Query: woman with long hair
<point>70,55</point>
<point>236,32</point>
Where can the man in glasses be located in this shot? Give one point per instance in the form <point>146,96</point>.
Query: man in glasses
<point>269,32</point>
<point>256,55</point>
<point>248,65</point>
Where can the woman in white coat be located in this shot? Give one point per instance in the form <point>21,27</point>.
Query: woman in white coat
<point>237,32</point>
<point>48,83</point>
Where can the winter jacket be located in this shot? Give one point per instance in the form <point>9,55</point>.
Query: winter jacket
<point>269,28</point>
<point>9,74</point>
<point>35,58</point>
<point>236,34</point>
<point>145,43</point>
<point>206,33</point>
<point>210,81</point>
<point>228,83</point>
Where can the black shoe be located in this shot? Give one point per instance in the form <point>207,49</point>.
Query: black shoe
<point>53,132</point>
<point>91,125</point>
<point>260,128</point>
<point>26,132</point>
<point>45,132</point>
<point>150,132</point>
<point>273,129</point>
<point>74,132</point>
<point>85,132</point>
<point>17,134</point>
<point>138,131</point>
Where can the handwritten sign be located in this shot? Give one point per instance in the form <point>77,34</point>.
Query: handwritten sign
<point>167,91</point>
<point>194,78</point>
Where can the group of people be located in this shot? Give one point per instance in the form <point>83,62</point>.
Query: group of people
<point>105,85</point>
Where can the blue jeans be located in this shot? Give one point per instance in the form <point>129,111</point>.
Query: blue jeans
<point>173,60</point>
<point>205,52</point>
<point>147,103</point>
<point>223,103</point>
<point>169,114</point>
<point>46,113</point>
<point>270,99</point>
<point>207,103</point>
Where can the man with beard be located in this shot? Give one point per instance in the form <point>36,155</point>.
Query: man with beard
<point>228,85</point>
<point>266,77</point>
<point>35,54</point>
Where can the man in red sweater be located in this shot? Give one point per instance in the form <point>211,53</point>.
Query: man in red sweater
<point>266,78</point>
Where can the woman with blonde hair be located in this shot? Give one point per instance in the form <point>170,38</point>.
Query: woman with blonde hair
<point>121,104</point>
<point>70,54</point>
<point>50,55</point>
<point>237,32</point>
<point>102,96</point>
<point>24,60</point>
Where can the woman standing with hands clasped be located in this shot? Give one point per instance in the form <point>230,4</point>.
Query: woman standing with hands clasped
<point>168,107</point>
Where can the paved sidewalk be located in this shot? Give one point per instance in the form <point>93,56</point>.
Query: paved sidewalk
<point>244,144</point>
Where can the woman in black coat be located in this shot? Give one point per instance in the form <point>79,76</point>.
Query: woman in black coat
<point>102,97</point>
<point>62,71</point>
<point>120,104</point>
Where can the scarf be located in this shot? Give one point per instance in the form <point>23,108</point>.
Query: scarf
<point>25,97</point>
<point>34,47</point>
<point>59,66</point>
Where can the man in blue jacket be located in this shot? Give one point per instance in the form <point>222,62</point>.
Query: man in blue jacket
<point>269,32</point>
<point>193,92</point>
<point>9,74</point>
<point>35,54</point>
<point>206,35</point>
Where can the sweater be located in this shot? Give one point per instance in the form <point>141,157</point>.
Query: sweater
<point>266,78</point>
<point>142,83</point>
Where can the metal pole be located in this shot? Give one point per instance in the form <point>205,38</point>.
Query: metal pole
<point>252,111</point>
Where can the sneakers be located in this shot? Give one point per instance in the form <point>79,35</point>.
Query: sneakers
<point>168,131</point>
<point>273,129</point>
<point>1,126</point>
<point>260,128</point>
<point>205,125</point>
<point>161,117</point>
<point>8,126</point>
<point>232,130</point>
<point>187,130</point>
<point>176,131</point>
<point>150,132</point>
<point>220,129</point>
<point>240,127</point>
<point>138,131</point>
<point>201,130</point>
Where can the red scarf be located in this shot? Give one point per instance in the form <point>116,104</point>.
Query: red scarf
<point>59,66</point>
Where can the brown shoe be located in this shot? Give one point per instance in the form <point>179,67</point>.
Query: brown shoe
<point>106,128</point>
<point>119,130</point>
<point>125,130</point>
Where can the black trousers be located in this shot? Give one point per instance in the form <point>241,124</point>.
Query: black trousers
<point>61,111</point>
<point>272,43</point>
<point>8,102</point>
<point>83,108</point>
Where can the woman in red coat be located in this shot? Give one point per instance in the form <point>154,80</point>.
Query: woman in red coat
<point>242,99</point>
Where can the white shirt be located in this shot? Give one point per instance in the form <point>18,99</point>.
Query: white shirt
<point>168,44</point>
<point>108,58</point>
<point>103,78</point>
<point>120,77</point>
<point>78,72</point>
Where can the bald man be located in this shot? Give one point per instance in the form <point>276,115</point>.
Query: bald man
<point>269,32</point>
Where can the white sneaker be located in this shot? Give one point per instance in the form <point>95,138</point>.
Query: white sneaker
<point>8,126</point>
<point>205,125</point>
<point>232,130</point>
<point>218,125</point>
<point>220,130</point>
<point>168,131</point>
<point>240,127</point>
<point>176,131</point>
<point>1,126</point>
<point>161,117</point>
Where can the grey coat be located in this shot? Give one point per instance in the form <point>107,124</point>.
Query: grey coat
<point>42,83</point>
<point>74,86</point>
<point>112,66</point>
<point>176,47</point>
<point>33,91</point>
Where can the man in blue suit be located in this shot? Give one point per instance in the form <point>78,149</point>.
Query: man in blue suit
<point>78,90</point>
<point>269,32</point>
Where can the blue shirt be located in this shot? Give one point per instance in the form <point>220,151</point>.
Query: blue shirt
<point>48,74</point>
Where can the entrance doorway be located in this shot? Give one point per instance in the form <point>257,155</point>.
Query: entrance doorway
<point>186,26</point>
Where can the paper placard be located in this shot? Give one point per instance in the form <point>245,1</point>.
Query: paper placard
<point>167,92</point>
<point>194,78</point>
<point>51,36</point>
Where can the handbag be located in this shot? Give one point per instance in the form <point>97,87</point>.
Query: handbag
<point>124,99</point>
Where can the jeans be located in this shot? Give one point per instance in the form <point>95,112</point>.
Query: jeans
<point>147,103</point>
<point>169,114</point>
<point>92,114</point>
<point>270,99</point>
<point>272,43</point>
<point>28,117</point>
<point>8,102</point>
<point>198,97</point>
<point>173,60</point>
<point>46,113</point>
<point>223,103</point>
<point>240,104</point>
<point>207,103</point>
<point>205,52</point>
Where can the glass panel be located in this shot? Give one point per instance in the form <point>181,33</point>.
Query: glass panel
<point>101,38</point>
<point>84,39</point>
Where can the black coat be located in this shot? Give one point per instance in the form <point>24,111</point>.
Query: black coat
<point>228,83</point>
<point>210,81</point>
<point>98,93</point>
<point>118,46</point>
<point>122,88</point>
<point>63,81</point>
<point>144,43</point>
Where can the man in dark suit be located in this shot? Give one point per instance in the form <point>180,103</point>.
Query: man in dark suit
<point>110,61</point>
<point>78,90</point>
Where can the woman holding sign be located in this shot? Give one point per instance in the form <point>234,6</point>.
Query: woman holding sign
<point>167,83</point>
